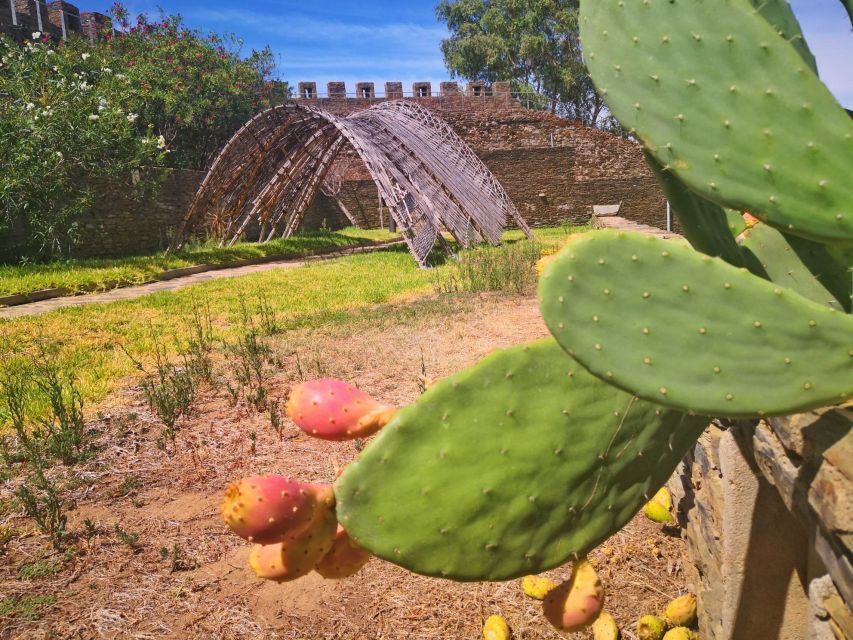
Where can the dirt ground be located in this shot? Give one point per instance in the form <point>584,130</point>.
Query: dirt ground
<point>203,588</point>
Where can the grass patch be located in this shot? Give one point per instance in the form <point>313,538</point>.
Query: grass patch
<point>25,606</point>
<point>93,341</point>
<point>98,273</point>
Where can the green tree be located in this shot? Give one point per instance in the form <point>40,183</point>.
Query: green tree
<point>196,89</point>
<point>533,43</point>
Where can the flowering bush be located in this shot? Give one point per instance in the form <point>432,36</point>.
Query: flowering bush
<point>196,89</point>
<point>75,116</point>
<point>66,123</point>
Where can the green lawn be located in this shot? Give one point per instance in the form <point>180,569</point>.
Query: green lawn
<point>93,338</point>
<point>99,272</point>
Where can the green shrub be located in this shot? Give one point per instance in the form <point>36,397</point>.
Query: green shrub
<point>509,267</point>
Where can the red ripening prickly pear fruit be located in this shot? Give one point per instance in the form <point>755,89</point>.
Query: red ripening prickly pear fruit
<point>576,603</point>
<point>334,410</point>
<point>265,509</point>
<point>298,554</point>
<point>344,560</point>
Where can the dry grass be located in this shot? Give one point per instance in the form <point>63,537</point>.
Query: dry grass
<point>109,590</point>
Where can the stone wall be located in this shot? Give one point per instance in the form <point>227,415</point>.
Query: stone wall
<point>767,511</point>
<point>56,19</point>
<point>553,169</point>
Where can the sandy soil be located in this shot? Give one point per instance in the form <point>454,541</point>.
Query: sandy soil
<point>170,498</point>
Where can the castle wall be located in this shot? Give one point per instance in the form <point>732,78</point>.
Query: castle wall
<point>57,19</point>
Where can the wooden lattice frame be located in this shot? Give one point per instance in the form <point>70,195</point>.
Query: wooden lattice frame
<point>429,179</point>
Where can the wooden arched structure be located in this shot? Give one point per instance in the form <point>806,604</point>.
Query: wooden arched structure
<point>272,168</point>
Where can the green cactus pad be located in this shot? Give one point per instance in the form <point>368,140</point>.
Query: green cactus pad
<point>705,224</point>
<point>509,468</point>
<point>674,326</point>
<point>780,16</point>
<point>729,106</point>
<point>799,264</point>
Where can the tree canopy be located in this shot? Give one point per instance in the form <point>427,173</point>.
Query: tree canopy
<point>533,43</point>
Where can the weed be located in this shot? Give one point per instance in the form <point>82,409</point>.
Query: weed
<point>248,357</point>
<point>509,268</point>
<point>268,318</point>
<point>7,534</point>
<point>26,607</point>
<point>65,436</point>
<point>200,342</point>
<point>170,392</point>
<point>90,529</point>
<point>126,538</point>
<point>16,389</point>
<point>253,442</point>
<point>128,486</point>
<point>358,443</point>
<point>176,559</point>
<point>275,418</point>
<point>41,568</point>
<point>40,498</point>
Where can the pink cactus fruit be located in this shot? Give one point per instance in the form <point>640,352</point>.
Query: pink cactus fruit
<point>334,410</point>
<point>345,559</point>
<point>576,603</point>
<point>266,509</point>
<point>298,554</point>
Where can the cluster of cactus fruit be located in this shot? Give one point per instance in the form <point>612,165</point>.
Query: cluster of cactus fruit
<point>540,452</point>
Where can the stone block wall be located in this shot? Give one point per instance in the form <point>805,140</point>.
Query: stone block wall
<point>57,19</point>
<point>767,511</point>
<point>553,169</point>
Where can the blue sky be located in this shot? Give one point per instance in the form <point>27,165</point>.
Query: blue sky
<point>375,40</point>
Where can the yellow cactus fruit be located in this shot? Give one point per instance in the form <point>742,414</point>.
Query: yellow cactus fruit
<point>681,612</point>
<point>679,633</point>
<point>543,262</point>
<point>576,603</point>
<point>650,628</point>
<point>657,512</point>
<point>605,628</point>
<point>537,587</point>
<point>663,498</point>
<point>496,628</point>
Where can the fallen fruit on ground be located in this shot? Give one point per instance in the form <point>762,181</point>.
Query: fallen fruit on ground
<point>650,628</point>
<point>605,628</point>
<point>537,587</point>
<point>496,628</point>
<point>679,633</point>
<point>681,612</point>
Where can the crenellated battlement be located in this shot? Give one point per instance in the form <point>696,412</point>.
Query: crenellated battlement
<point>57,19</point>
<point>337,91</point>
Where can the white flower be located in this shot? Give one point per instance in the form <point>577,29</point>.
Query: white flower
<point>131,117</point>
<point>161,142</point>
<point>59,155</point>
<point>30,106</point>
<point>120,76</point>
<point>94,116</point>
<point>85,86</point>
<point>85,56</point>
<point>106,70</point>
<point>51,52</point>
<point>36,35</point>
<point>56,68</point>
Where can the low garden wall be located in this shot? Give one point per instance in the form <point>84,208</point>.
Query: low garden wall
<point>767,511</point>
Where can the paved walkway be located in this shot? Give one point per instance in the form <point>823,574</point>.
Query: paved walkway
<point>129,293</point>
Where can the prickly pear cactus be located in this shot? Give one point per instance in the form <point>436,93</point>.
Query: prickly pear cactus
<point>692,332</point>
<point>509,468</point>
<point>717,96</point>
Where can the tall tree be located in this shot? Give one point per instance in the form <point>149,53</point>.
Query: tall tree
<point>533,43</point>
